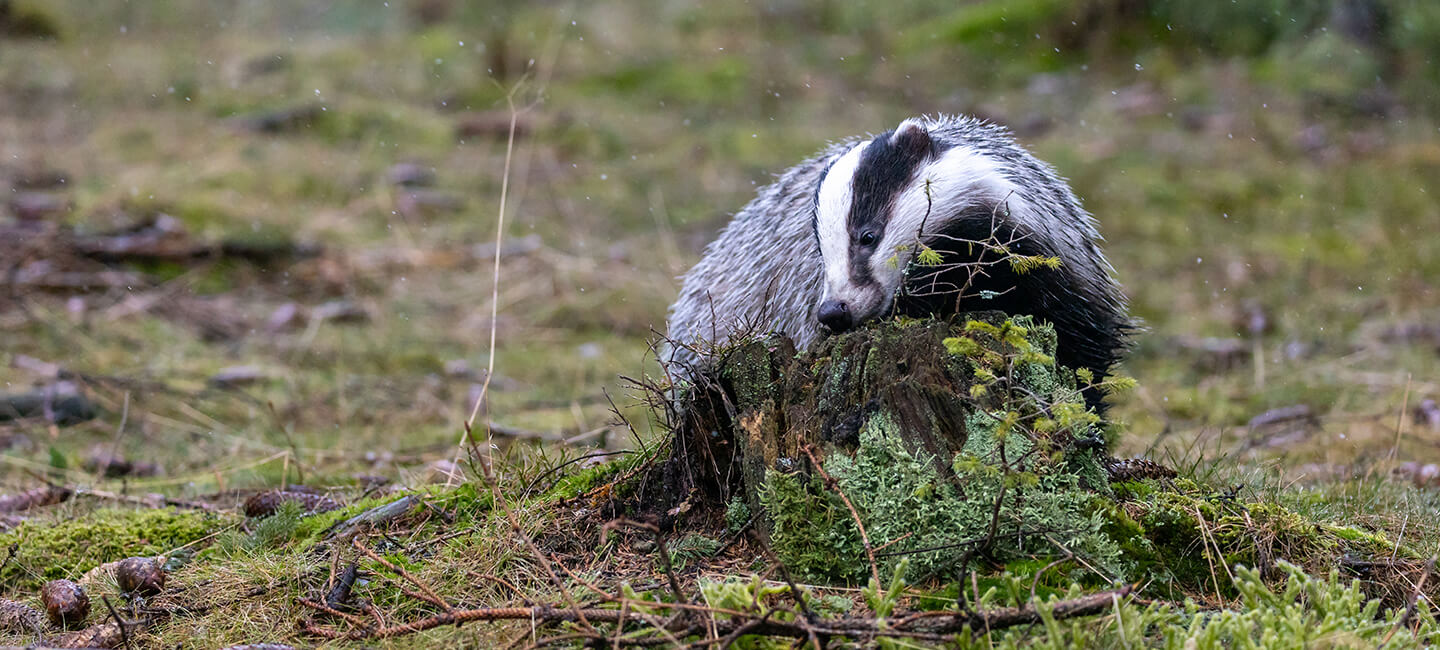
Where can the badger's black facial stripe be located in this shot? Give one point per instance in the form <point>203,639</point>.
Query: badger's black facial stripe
<point>887,166</point>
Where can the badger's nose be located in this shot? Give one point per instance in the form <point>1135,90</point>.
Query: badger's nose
<point>835,316</point>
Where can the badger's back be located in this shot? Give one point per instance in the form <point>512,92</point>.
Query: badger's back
<point>765,272</point>
<point>761,275</point>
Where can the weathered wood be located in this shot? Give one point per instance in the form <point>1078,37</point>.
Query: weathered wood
<point>762,402</point>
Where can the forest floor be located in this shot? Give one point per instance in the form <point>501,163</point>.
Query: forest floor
<point>258,242</point>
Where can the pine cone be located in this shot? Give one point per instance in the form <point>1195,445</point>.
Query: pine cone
<point>266,503</point>
<point>65,602</point>
<point>20,618</point>
<point>1134,469</point>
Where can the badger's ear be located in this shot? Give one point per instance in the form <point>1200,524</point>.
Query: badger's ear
<point>912,137</point>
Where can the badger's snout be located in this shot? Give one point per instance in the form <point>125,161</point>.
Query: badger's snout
<point>835,316</point>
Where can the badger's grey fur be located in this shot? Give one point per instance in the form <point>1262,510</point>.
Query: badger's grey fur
<point>830,245</point>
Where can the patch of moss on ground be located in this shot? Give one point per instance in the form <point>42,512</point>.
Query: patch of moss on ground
<point>66,549</point>
<point>574,484</point>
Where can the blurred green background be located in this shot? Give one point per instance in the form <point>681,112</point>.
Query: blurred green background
<point>1263,171</point>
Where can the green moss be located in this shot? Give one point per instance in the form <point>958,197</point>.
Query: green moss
<point>66,549</point>
<point>737,514</point>
<point>579,482</point>
<point>814,535</point>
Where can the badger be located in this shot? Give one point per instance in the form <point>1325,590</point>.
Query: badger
<point>841,239</point>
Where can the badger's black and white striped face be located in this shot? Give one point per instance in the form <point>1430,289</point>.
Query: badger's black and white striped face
<point>872,205</point>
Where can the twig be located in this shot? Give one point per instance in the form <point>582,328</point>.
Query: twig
<point>938,627</point>
<point>572,461</point>
<point>428,594</point>
<point>1410,603</point>
<point>834,485</point>
<point>660,547</point>
<point>119,622</point>
<point>106,462</point>
<point>1206,537</point>
<point>495,286</point>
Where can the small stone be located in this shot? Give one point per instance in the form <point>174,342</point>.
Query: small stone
<point>417,203</point>
<point>236,376</point>
<point>285,317</point>
<point>114,465</point>
<point>35,206</point>
<point>370,481</point>
<point>459,369</point>
<point>411,175</point>
<point>76,307</point>
<point>341,311</point>
<point>1428,413</point>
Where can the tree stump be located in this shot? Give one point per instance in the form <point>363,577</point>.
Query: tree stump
<point>952,442</point>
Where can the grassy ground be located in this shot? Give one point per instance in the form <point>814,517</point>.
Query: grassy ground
<point>1268,204</point>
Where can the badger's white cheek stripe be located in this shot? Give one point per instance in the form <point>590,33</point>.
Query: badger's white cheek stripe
<point>831,219</point>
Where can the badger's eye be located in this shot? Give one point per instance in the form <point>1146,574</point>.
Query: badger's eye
<point>867,238</point>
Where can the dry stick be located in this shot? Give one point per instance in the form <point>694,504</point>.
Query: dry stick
<point>357,621</point>
<point>104,466</point>
<point>620,626</point>
<point>940,630</point>
<point>806,615</point>
<point>494,290</point>
<point>1038,574</point>
<point>1410,603</point>
<point>540,556</point>
<point>1205,537</point>
<point>1400,418</point>
<point>659,546</point>
<point>119,622</point>
<point>834,485</point>
<point>428,594</point>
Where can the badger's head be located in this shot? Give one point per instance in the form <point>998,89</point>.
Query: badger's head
<point>874,202</point>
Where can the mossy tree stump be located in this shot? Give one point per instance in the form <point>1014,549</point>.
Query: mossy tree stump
<point>925,425</point>
<point>961,447</point>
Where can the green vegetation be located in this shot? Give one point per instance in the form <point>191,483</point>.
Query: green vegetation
<point>1263,172</point>
<point>47,550</point>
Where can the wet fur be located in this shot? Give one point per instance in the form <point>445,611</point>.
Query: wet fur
<point>765,272</point>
